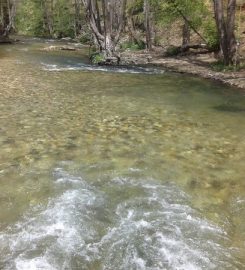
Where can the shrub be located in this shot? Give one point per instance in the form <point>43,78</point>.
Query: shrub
<point>133,46</point>
<point>85,38</point>
<point>172,51</point>
<point>220,67</point>
<point>97,58</point>
<point>29,19</point>
<point>211,35</point>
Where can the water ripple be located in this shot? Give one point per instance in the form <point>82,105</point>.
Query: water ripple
<point>85,67</point>
<point>83,228</point>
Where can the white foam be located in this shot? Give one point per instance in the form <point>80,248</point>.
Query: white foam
<point>62,229</point>
<point>153,230</point>
<point>38,263</point>
<point>84,67</point>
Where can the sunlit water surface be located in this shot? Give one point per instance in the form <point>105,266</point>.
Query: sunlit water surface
<point>117,168</point>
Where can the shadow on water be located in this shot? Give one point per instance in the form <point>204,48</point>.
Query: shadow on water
<point>228,107</point>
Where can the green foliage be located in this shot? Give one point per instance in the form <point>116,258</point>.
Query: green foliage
<point>135,10</point>
<point>63,21</point>
<point>135,7</point>
<point>29,18</point>
<point>168,11</point>
<point>85,38</point>
<point>97,58</point>
<point>211,34</point>
<point>172,51</point>
<point>196,12</point>
<point>33,17</point>
<point>221,67</point>
<point>133,46</point>
<point>40,18</point>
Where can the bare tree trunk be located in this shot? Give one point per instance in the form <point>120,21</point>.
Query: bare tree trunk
<point>121,20</point>
<point>1,20</point>
<point>232,44</point>
<point>106,22</point>
<point>148,24</point>
<point>226,29</point>
<point>7,15</point>
<point>11,15</point>
<point>4,18</point>
<point>186,34</point>
<point>48,16</point>
<point>107,15</point>
<point>94,21</point>
<point>77,19</point>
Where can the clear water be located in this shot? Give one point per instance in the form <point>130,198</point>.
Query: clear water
<point>117,168</point>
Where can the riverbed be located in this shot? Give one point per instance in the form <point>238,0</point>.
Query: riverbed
<point>117,168</point>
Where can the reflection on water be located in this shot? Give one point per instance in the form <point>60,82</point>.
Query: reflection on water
<point>117,170</point>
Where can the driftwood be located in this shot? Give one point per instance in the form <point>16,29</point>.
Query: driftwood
<point>59,48</point>
<point>187,47</point>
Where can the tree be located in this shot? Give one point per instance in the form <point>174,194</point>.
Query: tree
<point>148,24</point>
<point>7,15</point>
<point>191,12</point>
<point>77,17</point>
<point>30,18</point>
<point>48,16</point>
<point>106,19</point>
<point>226,29</point>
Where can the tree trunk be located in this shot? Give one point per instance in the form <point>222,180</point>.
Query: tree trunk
<point>48,17</point>
<point>77,19</point>
<point>4,18</point>
<point>109,46</point>
<point>148,25</point>
<point>226,29</point>
<point>186,36</point>
<point>106,22</point>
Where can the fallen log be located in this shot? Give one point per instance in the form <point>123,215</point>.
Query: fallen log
<point>203,48</point>
<point>59,48</point>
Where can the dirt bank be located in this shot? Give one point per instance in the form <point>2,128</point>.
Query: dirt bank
<point>194,64</point>
<point>199,65</point>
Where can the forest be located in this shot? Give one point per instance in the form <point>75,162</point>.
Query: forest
<point>113,25</point>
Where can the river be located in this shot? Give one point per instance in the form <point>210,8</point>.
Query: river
<point>117,168</point>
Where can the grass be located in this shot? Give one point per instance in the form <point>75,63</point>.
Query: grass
<point>220,67</point>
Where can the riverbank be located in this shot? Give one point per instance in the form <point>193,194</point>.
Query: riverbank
<point>195,64</point>
<point>5,40</point>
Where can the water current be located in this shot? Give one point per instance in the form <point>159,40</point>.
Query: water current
<point>117,168</point>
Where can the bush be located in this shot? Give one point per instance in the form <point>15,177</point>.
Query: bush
<point>85,38</point>
<point>211,35</point>
<point>133,46</point>
<point>63,22</point>
<point>97,58</point>
<point>172,51</point>
<point>220,67</point>
<point>29,19</point>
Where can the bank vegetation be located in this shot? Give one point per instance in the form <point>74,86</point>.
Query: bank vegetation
<point>111,27</point>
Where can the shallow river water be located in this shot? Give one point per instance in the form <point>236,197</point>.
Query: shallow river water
<point>121,169</point>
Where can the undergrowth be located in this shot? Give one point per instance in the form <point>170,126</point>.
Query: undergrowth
<point>220,67</point>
